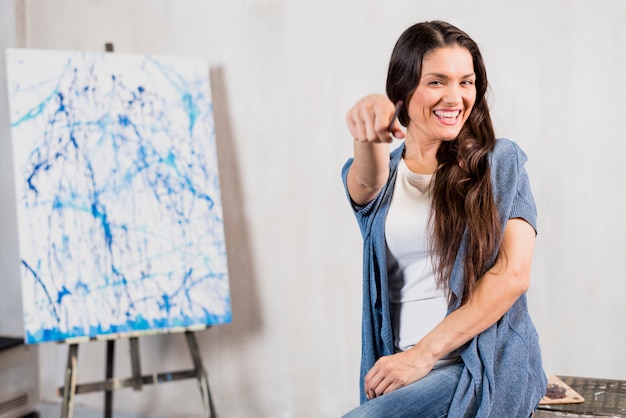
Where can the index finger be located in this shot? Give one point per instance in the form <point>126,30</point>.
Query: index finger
<point>395,115</point>
<point>372,379</point>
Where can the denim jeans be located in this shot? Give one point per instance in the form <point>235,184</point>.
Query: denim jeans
<point>429,397</point>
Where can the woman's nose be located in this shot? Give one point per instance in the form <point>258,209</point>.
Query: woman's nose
<point>452,95</point>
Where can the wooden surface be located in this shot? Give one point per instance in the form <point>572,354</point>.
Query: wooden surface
<point>602,398</point>
<point>559,392</point>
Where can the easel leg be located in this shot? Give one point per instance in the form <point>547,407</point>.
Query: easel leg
<point>137,381</point>
<point>203,380</point>
<point>135,363</point>
<point>108,394</point>
<point>67,408</point>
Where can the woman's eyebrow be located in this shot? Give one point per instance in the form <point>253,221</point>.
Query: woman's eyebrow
<point>444,76</point>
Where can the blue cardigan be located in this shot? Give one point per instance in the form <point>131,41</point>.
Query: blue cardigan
<point>503,373</point>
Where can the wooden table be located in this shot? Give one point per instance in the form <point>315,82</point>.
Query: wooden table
<point>603,398</point>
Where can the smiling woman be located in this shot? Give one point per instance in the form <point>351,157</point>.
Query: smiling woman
<point>449,224</point>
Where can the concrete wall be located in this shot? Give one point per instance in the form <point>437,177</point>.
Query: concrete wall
<point>284,73</point>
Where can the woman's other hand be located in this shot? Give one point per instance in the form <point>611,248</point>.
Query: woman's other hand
<point>395,371</point>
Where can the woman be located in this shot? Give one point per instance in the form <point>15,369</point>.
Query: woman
<point>448,222</point>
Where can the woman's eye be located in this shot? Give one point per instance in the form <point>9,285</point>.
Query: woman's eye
<point>468,82</point>
<point>435,83</point>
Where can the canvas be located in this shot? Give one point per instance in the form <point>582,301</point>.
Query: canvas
<point>120,218</point>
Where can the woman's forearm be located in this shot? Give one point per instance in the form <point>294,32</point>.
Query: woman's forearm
<point>369,171</point>
<point>369,124</point>
<point>495,293</point>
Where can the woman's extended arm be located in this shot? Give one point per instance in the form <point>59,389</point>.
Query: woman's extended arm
<point>368,122</point>
<point>496,291</point>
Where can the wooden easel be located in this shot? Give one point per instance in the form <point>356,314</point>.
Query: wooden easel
<point>70,388</point>
<point>136,381</point>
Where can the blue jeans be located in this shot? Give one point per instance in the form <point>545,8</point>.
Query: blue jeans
<point>429,397</point>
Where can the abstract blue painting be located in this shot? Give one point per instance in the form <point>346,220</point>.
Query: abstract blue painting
<point>118,196</point>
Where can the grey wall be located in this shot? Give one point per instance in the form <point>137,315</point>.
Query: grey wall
<point>284,73</point>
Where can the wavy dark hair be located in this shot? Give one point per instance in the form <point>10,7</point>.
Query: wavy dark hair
<point>462,191</point>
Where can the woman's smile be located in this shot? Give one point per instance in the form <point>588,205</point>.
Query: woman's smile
<point>448,117</point>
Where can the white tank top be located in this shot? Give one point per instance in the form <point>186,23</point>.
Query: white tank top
<point>417,305</point>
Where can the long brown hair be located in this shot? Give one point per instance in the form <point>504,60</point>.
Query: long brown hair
<point>462,192</point>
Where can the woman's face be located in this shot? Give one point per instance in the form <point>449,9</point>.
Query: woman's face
<point>445,95</point>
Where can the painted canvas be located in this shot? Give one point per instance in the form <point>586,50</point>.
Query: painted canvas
<point>118,194</point>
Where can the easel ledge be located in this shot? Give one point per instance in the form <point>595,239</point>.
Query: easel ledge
<point>131,334</point>
<point>136,381</point>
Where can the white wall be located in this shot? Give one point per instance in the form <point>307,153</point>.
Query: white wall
<point>10,290</point>
<point>284,73</point>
